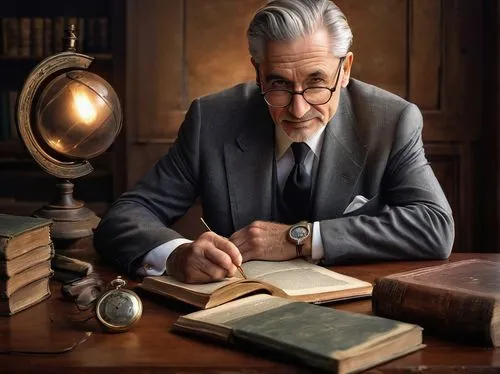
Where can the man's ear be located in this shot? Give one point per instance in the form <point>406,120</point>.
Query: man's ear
<point>349,58</point>
<point>257,74</point>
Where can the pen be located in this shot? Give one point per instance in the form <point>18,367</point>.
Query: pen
<point>239,267</point>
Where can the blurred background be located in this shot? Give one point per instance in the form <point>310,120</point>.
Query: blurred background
<point>159,55</point>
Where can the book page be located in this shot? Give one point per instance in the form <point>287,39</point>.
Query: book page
<point>238,309</point>
<point>204,289</point>
<point>299,277</point>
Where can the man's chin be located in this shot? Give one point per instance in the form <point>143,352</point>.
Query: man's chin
<point>300,131</point>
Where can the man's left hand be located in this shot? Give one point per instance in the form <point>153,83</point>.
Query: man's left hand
<point>263,240</point>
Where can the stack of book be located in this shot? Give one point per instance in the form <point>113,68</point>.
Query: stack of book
<point>25,262</point>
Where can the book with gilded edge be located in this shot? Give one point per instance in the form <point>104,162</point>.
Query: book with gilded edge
<point>294,279</point>
<point>318,336</point>
<point>457,300</point>
<point>25,297</point>
<point>20,234</point>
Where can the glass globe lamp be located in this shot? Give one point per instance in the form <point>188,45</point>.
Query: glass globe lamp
<point>67,115</point>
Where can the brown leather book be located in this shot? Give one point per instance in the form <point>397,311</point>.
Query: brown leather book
<point>9,286</point>
<point>25,297</point>
<point>20,234</point>
<point>460,300</point>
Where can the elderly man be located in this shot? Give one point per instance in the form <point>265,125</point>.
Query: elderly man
<point>306,162</point>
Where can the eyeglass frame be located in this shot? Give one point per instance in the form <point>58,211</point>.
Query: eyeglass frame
<point>291,92</point>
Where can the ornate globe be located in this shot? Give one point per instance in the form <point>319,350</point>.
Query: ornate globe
<point>67,115</point>
<point>78,115</point>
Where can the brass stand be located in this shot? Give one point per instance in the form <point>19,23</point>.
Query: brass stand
<point>72,220</point>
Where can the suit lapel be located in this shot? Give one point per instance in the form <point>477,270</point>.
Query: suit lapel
<point>341,161</point>
<point>249,167</point>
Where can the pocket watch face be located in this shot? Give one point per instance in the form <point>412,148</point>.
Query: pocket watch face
<point>119,309</point>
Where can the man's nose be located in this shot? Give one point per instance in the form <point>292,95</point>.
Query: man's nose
<point>298,106</point>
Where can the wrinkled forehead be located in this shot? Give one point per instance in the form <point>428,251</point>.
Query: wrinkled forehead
<point>303,56</point>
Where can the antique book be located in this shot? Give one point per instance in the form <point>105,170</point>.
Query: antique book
<point>322,337</point>
<point>27,296</point>
<point>20,234</point>
<point>10,285</point>
<point>458,299</point>
<point>294,279</point>
<point>20,263</point>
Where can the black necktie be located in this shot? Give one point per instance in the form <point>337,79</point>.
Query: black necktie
<point>297,189</point>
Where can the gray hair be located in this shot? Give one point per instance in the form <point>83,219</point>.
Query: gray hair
<point>282,20</point>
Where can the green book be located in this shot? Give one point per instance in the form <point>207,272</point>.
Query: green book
<point>21,234</point>
<point>322,337</point>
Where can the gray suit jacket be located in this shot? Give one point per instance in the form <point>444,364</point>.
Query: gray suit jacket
<point>224,154</point>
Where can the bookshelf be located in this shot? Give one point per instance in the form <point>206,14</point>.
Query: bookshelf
<point>30,31</point>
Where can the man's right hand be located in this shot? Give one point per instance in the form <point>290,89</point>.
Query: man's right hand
<point>209,258</point>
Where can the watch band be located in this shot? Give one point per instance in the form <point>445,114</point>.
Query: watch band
<point>298,247</point>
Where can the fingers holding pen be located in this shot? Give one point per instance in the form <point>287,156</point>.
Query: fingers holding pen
<point>209,258</point>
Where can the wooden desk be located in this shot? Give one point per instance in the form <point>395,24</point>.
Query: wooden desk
<point>150,347</point>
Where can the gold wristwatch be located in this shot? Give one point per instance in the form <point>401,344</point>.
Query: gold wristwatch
<point>298,234</point>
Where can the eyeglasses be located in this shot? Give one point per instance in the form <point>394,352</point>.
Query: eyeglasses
<point>279,98</point>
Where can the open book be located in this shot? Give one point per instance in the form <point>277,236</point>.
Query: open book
<point>330,339</point>
<point>295,279</point>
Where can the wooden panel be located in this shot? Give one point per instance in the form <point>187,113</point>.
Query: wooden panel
<point>425,53</point>
<point>462,83</point>
<point>216,46</point>
<point>380,42</point>
<point>154,67</point>
<point>450,164</point>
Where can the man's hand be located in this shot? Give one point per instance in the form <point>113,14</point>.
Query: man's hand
<point>264,241</point>
<point>209,258</point>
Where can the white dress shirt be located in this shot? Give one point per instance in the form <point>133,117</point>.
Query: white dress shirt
<point>155,261</point>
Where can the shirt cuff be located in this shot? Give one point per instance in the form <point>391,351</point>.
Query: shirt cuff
<point>155,261</point>
<point>317,250</point>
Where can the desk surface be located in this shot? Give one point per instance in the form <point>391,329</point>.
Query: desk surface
<point>150,347</point>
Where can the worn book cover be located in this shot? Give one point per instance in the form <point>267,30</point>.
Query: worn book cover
<point>10,285</point>
<point>9,268</point>
<point>23,298</point>
<point>322,337</point>
<point>20,234</point>
<point>294,279</point>
<point>458,299</point>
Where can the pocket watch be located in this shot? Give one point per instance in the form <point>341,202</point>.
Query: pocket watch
<point>119,308</point>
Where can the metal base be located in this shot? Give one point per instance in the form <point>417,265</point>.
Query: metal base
<point>72,220</point>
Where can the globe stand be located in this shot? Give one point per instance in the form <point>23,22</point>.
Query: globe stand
<point>72,220</point>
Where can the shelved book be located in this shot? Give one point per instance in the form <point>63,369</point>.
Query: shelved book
<point>456,300</point>
<point>294,279</point>
<point>318,336</point>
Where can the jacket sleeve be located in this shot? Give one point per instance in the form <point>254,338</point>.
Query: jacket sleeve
<point>413,219</point>
<point>139,220</point>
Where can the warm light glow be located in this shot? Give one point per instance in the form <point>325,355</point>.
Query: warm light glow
<point>56,144</point>
<point>84,108</point>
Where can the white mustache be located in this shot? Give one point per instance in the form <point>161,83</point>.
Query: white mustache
<point>307,117</point>
<point>311,114</point>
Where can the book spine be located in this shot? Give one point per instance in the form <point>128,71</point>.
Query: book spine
<point>37,37</point>
<point>48,42</point>
<point>10,36</point>
<point>24,47</point>
<point>449,313</point>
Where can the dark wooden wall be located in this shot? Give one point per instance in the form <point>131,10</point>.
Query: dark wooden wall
<point>431,52</point>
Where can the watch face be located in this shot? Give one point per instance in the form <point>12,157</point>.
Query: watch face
<point>119,309</point>
<point>299,232</point>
